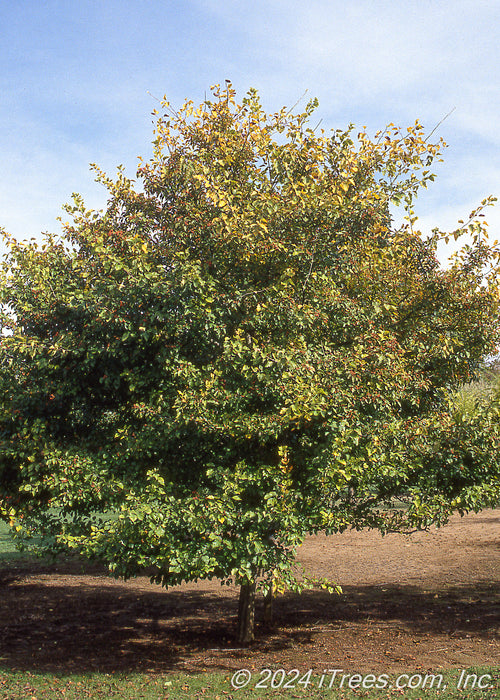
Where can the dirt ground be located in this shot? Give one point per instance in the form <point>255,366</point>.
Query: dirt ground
<point>425,601</point>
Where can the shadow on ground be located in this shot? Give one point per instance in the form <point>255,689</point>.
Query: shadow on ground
<point>71,623</point>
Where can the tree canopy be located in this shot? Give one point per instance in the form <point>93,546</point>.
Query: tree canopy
<point>243,350</point>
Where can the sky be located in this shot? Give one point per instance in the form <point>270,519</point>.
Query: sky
<point>79,80</point>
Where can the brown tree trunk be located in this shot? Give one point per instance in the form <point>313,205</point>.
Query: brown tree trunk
<point>268,607</point>
<point>246,613</point>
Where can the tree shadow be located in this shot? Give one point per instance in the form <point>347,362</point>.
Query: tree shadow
<point>86,627</point>
<point>73,628</point>
<point>472,609</point>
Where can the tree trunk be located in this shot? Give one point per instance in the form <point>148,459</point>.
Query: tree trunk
<point>268,607</point>
<point>246,613</point>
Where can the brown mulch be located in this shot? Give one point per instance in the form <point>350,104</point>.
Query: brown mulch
<point>424,601</point>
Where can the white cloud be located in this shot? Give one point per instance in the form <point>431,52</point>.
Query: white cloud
<point>362,49</point>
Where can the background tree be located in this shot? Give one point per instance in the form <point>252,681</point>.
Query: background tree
<point>243,352</point>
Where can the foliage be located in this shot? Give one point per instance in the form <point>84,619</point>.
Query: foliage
<point>243,352</point>
<point>479,395</point>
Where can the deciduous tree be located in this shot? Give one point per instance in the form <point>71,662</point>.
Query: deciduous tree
<point>243,351</point>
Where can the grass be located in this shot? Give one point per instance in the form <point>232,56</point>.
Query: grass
<point>9,555</point>
<point>16,685</point>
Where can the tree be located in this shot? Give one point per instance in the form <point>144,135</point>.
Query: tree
<point>243,352</point>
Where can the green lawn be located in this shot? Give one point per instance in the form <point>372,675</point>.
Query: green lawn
<point>21,686</point>
<point>8,552</point>
<point>9,555</point>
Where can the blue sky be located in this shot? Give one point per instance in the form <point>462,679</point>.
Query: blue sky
<point>76,78</point>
